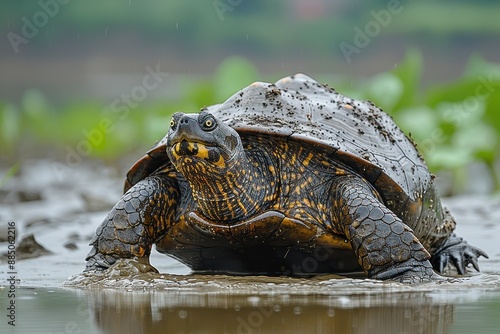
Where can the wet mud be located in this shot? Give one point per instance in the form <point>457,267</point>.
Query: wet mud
<point>54,295</point>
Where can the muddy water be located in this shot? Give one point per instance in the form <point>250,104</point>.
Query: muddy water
<point>111,311</point>
<point>51,296</point>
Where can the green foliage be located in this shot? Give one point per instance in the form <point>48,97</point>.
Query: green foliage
<point>231,75</point>
<point>453,124</point>
<point>9,126</point>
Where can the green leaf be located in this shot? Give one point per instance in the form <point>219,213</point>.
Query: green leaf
<point>34,103</point>
<point>233,74</point>
<point>477,66</point>
<point>385,90</point>
<point>492,105</point>
<point>419,120</point>
<point>479,80</point>
<point>462,113</point>
<point>10,124</point>
<point>409,72</point>
<point>475,137</point>
<point>446,157</point>
<point>198,95</point>
<point>454,92</point>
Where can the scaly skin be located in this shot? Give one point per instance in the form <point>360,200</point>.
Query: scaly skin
<point>385,246</point>
<point>142,215</point>
<point>215,190</point>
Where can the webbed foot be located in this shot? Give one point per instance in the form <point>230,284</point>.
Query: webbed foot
<point>410,271</point>
<point>458,252</point>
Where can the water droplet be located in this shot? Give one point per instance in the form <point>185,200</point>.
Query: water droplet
<point>183,314</point>
<point>297,310</point>
<point>106,31</point>
<point>237,307</point>
<point>177,26</point>
<point>331,312</point>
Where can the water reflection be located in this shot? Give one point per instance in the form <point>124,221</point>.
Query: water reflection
<point>174,312</point>
<point>343,307</point>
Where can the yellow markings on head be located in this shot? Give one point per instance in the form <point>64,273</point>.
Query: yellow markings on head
<point>202,152</point>
<point>191,146</point>
<point>176,149</point>
<point>221,162</point>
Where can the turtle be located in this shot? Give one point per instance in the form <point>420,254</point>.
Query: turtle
<point>292,179</point>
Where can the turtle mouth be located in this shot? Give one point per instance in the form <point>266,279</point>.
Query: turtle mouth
<point>196,149</point>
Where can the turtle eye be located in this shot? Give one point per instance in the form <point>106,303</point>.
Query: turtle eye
<point>209,124</point>
<point>172,123</point>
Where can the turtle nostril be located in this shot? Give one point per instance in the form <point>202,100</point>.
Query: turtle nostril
<point>184,120</point>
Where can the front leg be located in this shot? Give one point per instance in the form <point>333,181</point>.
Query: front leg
<point>142,216</point>
<point>386,248</point>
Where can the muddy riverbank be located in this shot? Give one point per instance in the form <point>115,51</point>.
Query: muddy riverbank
<point>62,215</point>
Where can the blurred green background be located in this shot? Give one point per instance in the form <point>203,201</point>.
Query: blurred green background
<point>83,80</point>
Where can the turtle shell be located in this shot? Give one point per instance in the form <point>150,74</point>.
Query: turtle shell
<point>356,133</point>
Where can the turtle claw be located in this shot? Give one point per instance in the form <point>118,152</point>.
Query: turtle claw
<point>442,262</point>
<point>474,263</point>
<point>459,265</point>
<point>459,252</point>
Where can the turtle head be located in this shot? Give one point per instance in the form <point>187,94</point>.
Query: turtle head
<point>210,156</point>
<point>201,139</point>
